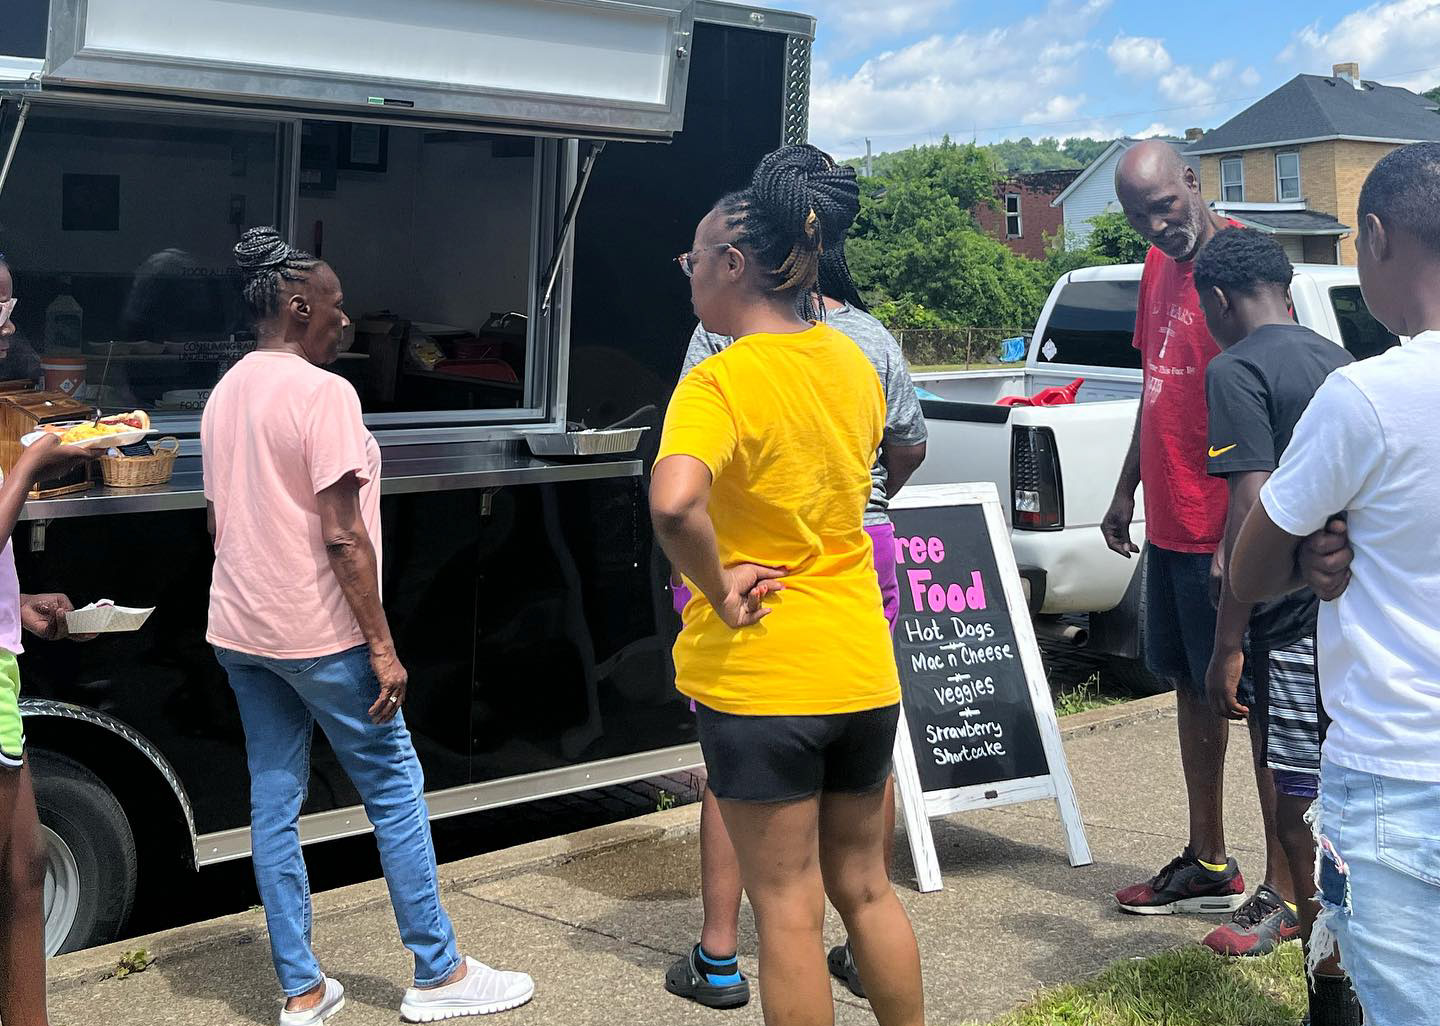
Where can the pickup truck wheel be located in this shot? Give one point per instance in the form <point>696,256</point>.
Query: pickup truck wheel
<point>89,851</point>
<point>1129,676</point>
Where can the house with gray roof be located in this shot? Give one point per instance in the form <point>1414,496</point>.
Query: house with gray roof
<point>1293,162</point>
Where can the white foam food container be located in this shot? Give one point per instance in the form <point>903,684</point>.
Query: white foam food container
<point>105,617</point>
<point>118,438</point>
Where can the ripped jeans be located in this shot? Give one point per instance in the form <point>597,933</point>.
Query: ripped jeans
<point>1379,872</point>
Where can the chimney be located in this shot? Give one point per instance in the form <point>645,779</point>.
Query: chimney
<point>1349,73</point>
<point>1192,134</point>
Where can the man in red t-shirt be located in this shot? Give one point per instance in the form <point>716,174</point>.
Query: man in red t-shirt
<point>1184,522</point>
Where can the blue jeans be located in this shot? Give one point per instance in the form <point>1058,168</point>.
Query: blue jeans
<point>280,702</point>
<point>1379,870</point>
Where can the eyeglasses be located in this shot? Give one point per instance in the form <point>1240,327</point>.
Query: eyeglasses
<point>687,260</point>
<point>6,309</point>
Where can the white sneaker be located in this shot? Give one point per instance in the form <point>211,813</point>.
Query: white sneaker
<point>482,991</point>
<point>333,1001</point>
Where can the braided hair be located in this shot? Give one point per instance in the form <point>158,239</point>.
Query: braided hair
<point>799,200</point>
<point>265,260</point>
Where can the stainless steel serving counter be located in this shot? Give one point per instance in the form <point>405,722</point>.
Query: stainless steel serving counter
<point>429,468</point>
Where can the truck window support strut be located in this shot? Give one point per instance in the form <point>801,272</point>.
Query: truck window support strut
<point>567,225</point>
<point>14,142</point>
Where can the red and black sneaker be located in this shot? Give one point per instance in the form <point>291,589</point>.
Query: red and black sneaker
<point>1260,926</point>
<point>1186,886</point>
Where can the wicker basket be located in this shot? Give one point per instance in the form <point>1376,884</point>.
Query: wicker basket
<point>141,471</point>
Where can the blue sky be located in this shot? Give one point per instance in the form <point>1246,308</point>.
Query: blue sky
<point>909,71</point>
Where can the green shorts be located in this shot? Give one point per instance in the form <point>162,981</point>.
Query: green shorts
<point>12,730</point>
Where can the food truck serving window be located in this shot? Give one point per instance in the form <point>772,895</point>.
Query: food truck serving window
<point>119,225</point>
<point>610,68</point>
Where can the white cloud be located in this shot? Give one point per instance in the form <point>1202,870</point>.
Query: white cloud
<point>865,21</point>
<point>1058,108</point>
<point>1396,43</point>
<point>956,83</point>
<point>1250,78</point>
<point>1146,57</point>
<point>1142,56</point>
<point>1181,85</point>
<point>1157,128</point>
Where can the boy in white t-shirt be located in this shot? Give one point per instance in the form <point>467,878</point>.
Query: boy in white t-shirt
<point>1368,446</point>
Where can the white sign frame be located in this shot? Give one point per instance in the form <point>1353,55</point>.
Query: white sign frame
<point>919,807</point>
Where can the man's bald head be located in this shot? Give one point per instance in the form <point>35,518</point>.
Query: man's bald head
<point>1147,164</point>
<point>1160,195</point>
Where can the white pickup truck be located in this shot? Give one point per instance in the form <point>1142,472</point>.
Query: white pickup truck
<point>1058,465</point>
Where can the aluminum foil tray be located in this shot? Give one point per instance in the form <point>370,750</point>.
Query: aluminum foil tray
<point>599,442</point>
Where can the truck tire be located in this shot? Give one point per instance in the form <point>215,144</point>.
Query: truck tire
<point>1130,677</point>
<point>89,850</point>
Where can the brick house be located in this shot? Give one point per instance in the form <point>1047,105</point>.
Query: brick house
<point>1293,162</point>
<point>1022,217</point>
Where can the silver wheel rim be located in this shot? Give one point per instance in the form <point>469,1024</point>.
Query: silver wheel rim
<point>62,890</point>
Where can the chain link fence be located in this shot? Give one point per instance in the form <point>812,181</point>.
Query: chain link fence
<point>955,347</point>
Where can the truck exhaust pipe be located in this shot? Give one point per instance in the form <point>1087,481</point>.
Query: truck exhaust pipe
<point>1064,633</point>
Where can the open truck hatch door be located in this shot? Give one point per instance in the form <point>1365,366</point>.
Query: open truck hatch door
<point>600,69</point>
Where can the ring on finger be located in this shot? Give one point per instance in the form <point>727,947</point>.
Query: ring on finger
<point>394,700</point>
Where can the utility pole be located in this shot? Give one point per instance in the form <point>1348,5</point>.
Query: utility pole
<point>869,161</point>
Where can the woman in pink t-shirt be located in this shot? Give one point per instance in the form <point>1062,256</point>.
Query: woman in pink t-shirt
<point>292,478</point>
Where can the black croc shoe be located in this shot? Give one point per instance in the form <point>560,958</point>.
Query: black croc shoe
<point>842,967</point>
<point>685,979</point>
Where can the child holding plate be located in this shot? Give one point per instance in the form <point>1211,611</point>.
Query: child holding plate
<point>22,871</point>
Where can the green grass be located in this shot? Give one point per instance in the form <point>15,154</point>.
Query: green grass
<point>1186,987</point>
<point>1084,697</point>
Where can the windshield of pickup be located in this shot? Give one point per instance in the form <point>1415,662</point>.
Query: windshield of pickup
<point>1092,323</point>
<point>1362,334</point>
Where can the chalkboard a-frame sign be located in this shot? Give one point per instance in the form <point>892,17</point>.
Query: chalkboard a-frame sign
<point>977,725</point>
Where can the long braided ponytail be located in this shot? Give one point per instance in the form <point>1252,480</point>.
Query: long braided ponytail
<point>798,207</point>
<point>265,259</point>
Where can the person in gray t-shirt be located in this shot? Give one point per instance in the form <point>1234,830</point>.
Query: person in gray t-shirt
<point>903,447</point>
<point>710,974</point>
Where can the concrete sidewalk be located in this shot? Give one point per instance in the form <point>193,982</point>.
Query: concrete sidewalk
<point>596,917</point>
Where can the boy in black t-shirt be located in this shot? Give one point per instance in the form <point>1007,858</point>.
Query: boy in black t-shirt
<point>1256,389</point>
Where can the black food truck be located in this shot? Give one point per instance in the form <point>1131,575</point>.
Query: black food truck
<point>502,186</point>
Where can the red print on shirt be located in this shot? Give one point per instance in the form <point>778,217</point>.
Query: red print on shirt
<point>1184,506</point>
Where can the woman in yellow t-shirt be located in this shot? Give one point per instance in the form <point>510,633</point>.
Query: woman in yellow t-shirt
<point>758,498</point>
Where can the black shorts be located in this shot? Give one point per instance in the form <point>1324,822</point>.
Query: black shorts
<point>1180,621</point>
<point>786,758</point>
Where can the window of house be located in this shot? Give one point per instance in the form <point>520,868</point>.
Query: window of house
<point>1012,216</point>
<point>1232,180</point>
<point>1287,176</point>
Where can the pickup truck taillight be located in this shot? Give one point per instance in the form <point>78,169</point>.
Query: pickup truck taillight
<point>1035,477</point>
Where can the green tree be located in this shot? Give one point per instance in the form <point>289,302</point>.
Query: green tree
<point>1013,156</point>
<point>1018,156</point>
<point>1047,154</point>
<point>1085,150</point>
<point>1112,237</point>
<point>916,246</point>
<point>920,258</point>
<point>1433,95</point>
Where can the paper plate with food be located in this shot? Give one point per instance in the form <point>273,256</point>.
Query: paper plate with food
<point>117,430</point>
